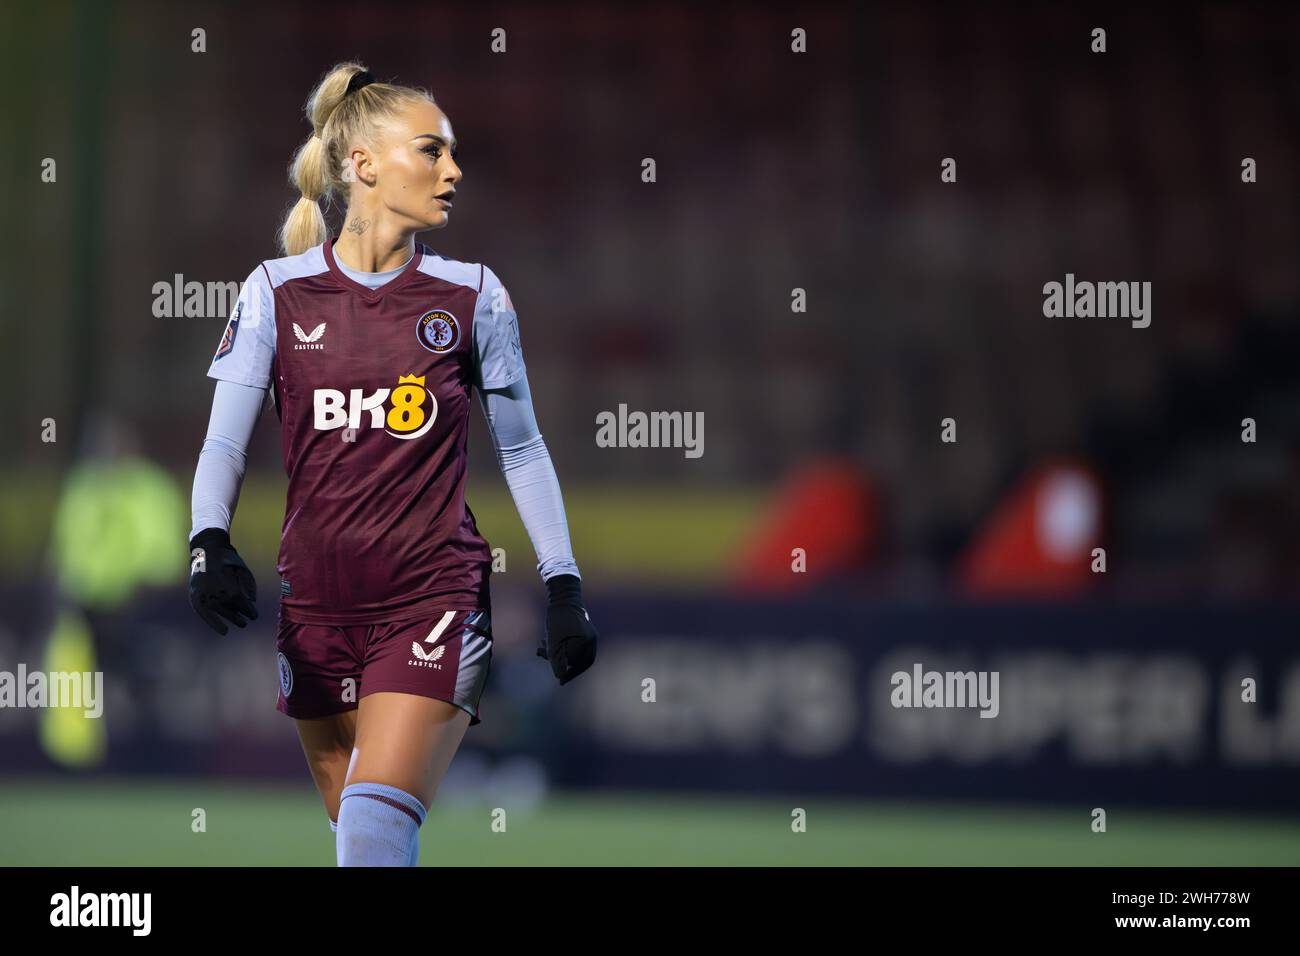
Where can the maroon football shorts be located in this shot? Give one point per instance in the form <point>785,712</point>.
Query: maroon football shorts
<point>326,670</point>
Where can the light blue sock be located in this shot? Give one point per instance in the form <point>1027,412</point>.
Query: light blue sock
<point>378,825</point>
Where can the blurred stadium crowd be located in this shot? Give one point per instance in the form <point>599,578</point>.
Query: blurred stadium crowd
<point>924,299</point>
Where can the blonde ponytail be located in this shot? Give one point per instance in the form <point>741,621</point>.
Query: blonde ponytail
<point>304,227</point>
<point>338,120</point>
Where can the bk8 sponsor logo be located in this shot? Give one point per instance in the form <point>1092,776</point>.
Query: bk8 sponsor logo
<point>411,412</point>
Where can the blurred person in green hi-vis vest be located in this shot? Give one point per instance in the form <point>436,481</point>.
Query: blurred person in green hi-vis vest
<point>116,524</point>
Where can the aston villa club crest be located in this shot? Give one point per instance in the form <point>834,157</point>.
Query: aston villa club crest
<point>438,330</point>
<point>286,674</point>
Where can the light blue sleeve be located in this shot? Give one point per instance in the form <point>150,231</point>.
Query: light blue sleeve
<point>530,475</point>
<point>248,343</point>
<point>498,356</point>
<point>224,457</point>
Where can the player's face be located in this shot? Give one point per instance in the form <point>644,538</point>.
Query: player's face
<point>415,165</point>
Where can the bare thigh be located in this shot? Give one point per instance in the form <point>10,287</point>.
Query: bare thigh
<point>327,743</point>
<point>406,741</point>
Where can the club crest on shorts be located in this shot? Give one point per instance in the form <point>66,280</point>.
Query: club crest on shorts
<point>438,330</point>
<point>286,675</point>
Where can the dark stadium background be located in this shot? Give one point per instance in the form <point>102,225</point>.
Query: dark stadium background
<point>776,170</point>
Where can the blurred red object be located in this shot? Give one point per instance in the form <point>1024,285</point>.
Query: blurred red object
<point>1040,539</point>
<point>829,510</point>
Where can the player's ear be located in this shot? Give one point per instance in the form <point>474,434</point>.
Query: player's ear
<point>360,166</point>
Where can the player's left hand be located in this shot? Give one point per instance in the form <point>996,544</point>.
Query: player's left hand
<point>570,642</point>
<point>221,586</point>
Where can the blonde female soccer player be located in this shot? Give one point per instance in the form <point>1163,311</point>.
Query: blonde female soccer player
<point>370,343</point>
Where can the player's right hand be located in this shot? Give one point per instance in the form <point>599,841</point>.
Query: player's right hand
<point>221,586</point>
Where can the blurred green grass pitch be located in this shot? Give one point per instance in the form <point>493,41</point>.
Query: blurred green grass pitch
<point>144,822</point>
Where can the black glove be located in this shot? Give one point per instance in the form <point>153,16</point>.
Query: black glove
<point>220,583</point>
<point>570,643</point>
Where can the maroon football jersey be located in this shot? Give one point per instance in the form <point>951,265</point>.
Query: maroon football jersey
<point>372,390</point>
